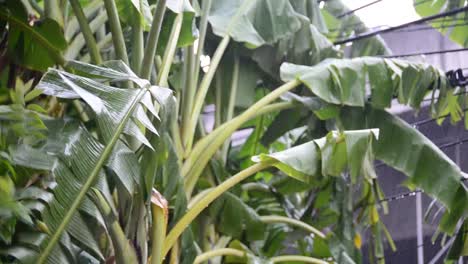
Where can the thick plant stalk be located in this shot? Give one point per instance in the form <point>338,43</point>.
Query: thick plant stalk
<point>81,112</point>
<point>198,197</point>
<point>28,7</point>
<point>90,11</point>
<point>137,45</point>
<point>191,89</point>
<point>233,92</point>
<point>164,74</point>
<point>170,50</point>
<point>189,131</point>
<point>87,33</point>
<point>218,100</point>
<point>218,252</point>
<point>221,242</point>
<point>206,5</point>
<point>36,7</point>
<point>90,181</point>
<point>174,259</point>
<point>116,29</point>
<point>159,212</point>
<point>175,129</point>
<point>152,42</point>
<point>101,44</point>
<point>293,222</point>
<point>52,11</point>
<point>78,42</point>
<point>301,259</point>
<point>202,144</point>
<point>124,253</point>
<point>274,107</point>
<point>194,165</point>
<point>231,104</point>
<point>207,200</point>
<point>188,87</point>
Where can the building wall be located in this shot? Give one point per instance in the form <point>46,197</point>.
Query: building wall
<point>401,221</point>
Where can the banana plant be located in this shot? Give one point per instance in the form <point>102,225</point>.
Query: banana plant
<point>119,165</point>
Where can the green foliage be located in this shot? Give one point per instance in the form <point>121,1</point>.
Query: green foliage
<point>452,26</point>
<point>37,47</point>
<point>233,216</point>
<point>188,34</point>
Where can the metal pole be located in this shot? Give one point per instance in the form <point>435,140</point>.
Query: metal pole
<point>458,162</point>
<point>442,251</point>
<point>419,228</point>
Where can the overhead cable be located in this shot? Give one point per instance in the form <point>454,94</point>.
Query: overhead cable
<point>425,53</point>
<point>359,8</point>
<point>390,29</point>
<point>361,25</point>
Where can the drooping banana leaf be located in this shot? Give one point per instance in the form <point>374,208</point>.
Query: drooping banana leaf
<point>343,82</point>
<point>312,10</point>
<point>328,156</point>
<point>229,18</point>
<point>274,20</point>
<point>402,147</point>
<point>254,23</point>
<point>303,43</point>
<point>307,46</point>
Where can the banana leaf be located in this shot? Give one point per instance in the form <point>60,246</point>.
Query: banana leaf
<point>76,150</point>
